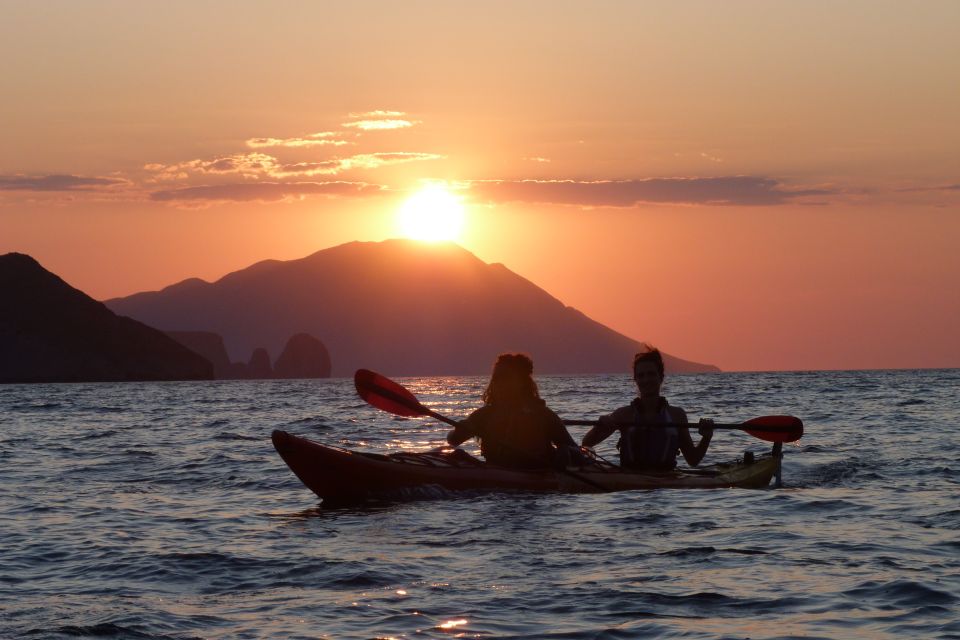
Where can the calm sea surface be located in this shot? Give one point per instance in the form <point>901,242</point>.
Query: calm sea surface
<point>160,510</point>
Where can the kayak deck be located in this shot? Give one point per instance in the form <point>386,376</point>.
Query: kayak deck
<point>340,475</point>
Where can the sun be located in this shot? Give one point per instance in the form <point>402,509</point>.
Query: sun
<point>432,214</point>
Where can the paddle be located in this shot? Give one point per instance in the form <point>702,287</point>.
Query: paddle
<point>392,397</point>
<point>383,393</point>
<point>769,428</point>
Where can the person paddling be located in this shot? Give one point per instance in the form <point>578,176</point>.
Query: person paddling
<point>651,448</point>
<point>515,427</point>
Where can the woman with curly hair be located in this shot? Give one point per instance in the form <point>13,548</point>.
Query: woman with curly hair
<point>515,427</point>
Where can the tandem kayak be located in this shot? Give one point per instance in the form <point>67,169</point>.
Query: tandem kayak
<point>341,475</point>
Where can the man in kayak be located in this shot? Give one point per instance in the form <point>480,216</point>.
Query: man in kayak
<point>515,427</point>
<point>651,448</point>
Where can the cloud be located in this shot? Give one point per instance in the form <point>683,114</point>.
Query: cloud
<point>322,138</point>
<point>379,120</point>
<point>325,167</point>
<point>947,187</point>
<point>361,161</point>
<point>730,190</point>
<point>246,164</point>
<point>55,182</point>
<point>374,125</point>
<point>374,160</point>
<point>265,191</point>
<point>259,165</point>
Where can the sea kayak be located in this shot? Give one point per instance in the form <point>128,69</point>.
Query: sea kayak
<point>342,475</point>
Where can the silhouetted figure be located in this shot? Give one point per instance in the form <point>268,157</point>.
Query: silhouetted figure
<point>651,448</point>
<point>515,427</point>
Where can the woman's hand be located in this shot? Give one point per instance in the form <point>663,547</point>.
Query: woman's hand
<point>706,427</point>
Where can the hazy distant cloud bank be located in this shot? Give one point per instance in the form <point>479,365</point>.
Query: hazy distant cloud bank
<point>947,187</point>
<point>731,190</point>
<point>264,191</point>
<point>54,183</point>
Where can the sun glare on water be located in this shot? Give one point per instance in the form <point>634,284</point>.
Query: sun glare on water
<point>433,214</point>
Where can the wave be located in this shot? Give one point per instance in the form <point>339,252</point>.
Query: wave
<point>34,406</point>
<point>106,630</point>
<point>227,437</point>
<point>902,594</point>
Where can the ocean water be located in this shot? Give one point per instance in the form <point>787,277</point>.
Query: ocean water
<point>160,510</point>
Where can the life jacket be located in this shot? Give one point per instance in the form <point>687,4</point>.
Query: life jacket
<point>651,448</point>
<point>517,437</point>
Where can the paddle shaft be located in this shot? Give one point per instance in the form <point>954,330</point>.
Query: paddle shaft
<point>740,426</point>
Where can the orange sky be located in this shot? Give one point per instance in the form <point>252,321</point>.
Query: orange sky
<point>758,185</point>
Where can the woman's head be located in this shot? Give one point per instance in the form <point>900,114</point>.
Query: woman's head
<point>649,354</point>
<point>511,380</point>
<point>648,370</point>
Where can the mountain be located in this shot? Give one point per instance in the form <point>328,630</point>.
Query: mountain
<point>400,307</point>
<point>51,332</point>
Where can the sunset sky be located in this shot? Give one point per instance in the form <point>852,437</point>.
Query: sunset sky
<point>757,185</point>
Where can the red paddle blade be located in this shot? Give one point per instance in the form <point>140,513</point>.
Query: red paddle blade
<point>384,393</point>
<point>776,428</point>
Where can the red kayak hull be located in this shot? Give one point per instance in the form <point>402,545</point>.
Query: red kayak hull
<point>337,474</point>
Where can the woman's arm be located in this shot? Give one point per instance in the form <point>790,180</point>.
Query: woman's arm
<point>458,436</point>
<point>693,454</point>
<point>599,432</point>
<point>465,429</point>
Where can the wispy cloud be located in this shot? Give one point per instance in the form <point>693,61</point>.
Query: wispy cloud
<point>265,191</point>
<point>246,164</point>
<point>945,187</point>
<point>307,169</point>
<point>55,182</point>
<point>320,139</point>
<point>374,125</point>
<point>730,190</point>
<point>257,165</point>
<point>374,160</point>
<point>360,161</point>
<point>379,120</point>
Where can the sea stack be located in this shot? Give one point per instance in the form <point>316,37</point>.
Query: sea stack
<point>303,357</point>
